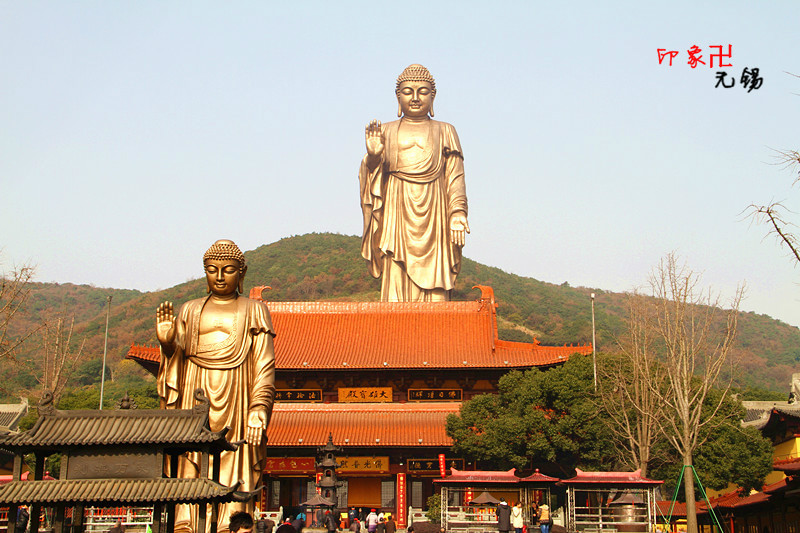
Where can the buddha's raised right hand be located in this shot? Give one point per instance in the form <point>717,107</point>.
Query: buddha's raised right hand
<point>375,139</point>
<point>165,324</point>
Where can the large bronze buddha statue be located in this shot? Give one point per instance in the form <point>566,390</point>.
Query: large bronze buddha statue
<point>413,197</point>
<point>222,344</point>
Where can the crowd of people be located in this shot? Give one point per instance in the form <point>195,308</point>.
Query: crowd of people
<point>509,518</point>
<point>359,521</point>
<point>356,521</point>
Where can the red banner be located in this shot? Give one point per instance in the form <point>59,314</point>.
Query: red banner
<point>401,500</point>
<point>289,465</point>
<point>468,496</point>
<point>442,469</point>
<point>319,476</point>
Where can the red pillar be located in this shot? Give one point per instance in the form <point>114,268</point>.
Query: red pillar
<point>402,508</point>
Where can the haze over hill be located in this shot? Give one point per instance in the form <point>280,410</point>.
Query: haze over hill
<point>329,267</point>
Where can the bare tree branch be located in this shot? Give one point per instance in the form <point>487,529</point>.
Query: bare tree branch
<point>696,351</point>
<point>773,213</point>
<point>625,388</point>
<point>14,291</point>
<point>60,358</point>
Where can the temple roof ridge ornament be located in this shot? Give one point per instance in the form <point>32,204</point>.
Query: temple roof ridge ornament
<point>257,292</point>
<point>46,404</point>
<point>487,293</point>
<point>203,403</point>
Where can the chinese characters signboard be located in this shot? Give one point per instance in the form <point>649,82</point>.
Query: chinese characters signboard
<point>365,464</point>
<point>289,465</point>
<point>431,465</point>
<point>434,395</point>
<point>365,394</point>
<point>695,56</point>
<point>749,80</point>
<point>114,466</point>
<point>401,500</point>
<point>298,395</point>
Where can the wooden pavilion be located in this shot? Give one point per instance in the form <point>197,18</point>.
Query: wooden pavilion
<point>116,458</point>
<point>463,495</point>
<point>610,502</point>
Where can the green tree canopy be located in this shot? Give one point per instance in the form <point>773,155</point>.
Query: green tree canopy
<point>536,418</point>
<point>552,417</point>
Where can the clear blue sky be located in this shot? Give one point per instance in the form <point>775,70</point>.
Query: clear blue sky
<point>134,134</point>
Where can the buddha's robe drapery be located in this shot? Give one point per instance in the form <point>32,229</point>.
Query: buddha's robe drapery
<point>237,375</point>
<point>407,206</point>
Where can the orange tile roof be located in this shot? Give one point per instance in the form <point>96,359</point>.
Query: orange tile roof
<point>789,465</point>
<point>392,424</point>
<point>369,335</point>
<point>737,499</point>
<point>730,500</point>
<point>780,485</point>
<point>679,508</point>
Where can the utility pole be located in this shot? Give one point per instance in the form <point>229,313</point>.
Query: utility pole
<point>594,350</point>
<point>105,352</point>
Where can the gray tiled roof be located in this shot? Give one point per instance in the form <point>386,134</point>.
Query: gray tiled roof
<point>90,427</point>
<point>112,491</point>
<point>10,414</point>
<point>758,414</point>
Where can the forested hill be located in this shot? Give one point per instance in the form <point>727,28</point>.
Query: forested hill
<point>329,267</point>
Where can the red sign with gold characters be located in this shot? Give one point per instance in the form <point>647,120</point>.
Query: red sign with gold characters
<point>364,464</point>
<point>442,468</point>
<point>365,394</point>
<point>289,465</point>
<point>431,465</point>
<point>434,395</point>
<point>401,500</point>
<point>298,395</point>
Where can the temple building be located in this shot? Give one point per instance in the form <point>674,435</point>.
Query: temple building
<point>382,379</point>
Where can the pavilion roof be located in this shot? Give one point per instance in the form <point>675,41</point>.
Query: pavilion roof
<point>679,508</point>
<point>392,335</point>
<point>765,416</point>
<point>538,477</point>
<point>480,476</point>
<point>731,500</point>
<point>363,424</point>
<point>728,500</point>
<point>11,413</point>
<point>610,478</point>
<point>783,485</point>
<point>8,478</point>
<point>736,498</point>
<point>743,501</point>
<point>116,427</point>
<point>110,491</point>
<point>790,465</point>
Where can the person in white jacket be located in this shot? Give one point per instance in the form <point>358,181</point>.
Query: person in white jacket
<point>517,521</point>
